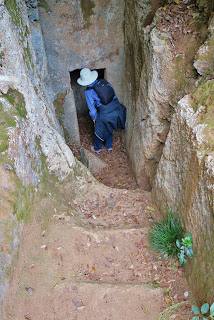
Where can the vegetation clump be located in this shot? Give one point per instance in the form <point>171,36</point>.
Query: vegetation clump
<point>185,248</point>
<point>164,234</point>
<point>206,312</point>
<point>167,238</point>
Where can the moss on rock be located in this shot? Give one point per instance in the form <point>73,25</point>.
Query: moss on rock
<point>23,30</point>
<point>6,120</point>
<point>59,110</point>
<point>2,56</point>
<point>44,4</point>
<point>23,202</point>
<point>16,98</point>
<point>202,101</point>
<point>14,11</point>
<point>7,117</point>
<point>87,10</point>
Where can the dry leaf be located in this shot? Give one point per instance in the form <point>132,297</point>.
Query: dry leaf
<point>168,301</point>
<point>150,208</point>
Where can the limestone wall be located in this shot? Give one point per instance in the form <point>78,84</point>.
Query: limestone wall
<point>157,69</point>
<point>83,33</point>
<point>185,183</point>
<point>80,34</point>
<point>185,175</point>
<point>170,130</point>
<point>31,140</point>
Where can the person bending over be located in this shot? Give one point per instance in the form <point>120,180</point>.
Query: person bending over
<point>104,108</point>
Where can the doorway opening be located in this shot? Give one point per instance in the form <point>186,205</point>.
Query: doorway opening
<point>79,91</point>
<point>116,173</point>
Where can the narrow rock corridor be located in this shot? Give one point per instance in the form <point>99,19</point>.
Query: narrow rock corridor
<point>74,244</point>
<point>89,258</point>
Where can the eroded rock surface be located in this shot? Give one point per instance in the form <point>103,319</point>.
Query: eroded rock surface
<point>31,140</point>
<point>91,161</point>
<point>204,62</point>
<point>170,132</point>
<point>160,64</point>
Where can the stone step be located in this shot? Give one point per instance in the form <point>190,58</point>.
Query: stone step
<point>115,208</point>
<point>87,301</point>
<point>110,255</point>
<point>83,273</point>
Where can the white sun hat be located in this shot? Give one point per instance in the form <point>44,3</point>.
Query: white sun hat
<point>87,77</point>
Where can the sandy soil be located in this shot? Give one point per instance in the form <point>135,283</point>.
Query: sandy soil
<point>94,262</point>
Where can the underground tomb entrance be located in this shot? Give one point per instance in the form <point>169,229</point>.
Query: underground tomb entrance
<point>79,91</point>
<point>117,173</point>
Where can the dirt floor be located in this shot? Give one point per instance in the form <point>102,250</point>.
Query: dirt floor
<point>90,258</point>
<point>94,262</point>
<point>118,173</point>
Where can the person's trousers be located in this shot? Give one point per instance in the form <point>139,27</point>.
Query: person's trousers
<point>98,143</point>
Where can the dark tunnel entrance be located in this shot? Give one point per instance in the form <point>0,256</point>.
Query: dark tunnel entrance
<point>79,91</point>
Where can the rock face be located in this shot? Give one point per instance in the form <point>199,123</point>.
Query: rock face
<point>170,129</point>
<point>80,34</point>
<point>36,119</point>
<point>204,62</point>
<point>91,161</point>
<point>185,183</point>
<point>156,76</point>
<point>31,140</point>
<point>185,176</point>
<point>149,122</point>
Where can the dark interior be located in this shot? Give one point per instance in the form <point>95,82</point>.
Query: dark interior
<point>79,91</point>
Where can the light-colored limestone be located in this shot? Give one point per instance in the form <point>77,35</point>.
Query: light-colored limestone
<point>40,121</point>
<point>91,161</point>
<point>148,128</point>
<point>204,62</point>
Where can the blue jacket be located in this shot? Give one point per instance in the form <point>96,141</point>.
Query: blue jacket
<point>111,116</point>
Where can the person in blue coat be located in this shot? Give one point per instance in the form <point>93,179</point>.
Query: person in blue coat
<point>106,116</point>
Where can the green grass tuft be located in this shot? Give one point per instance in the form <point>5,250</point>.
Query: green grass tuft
<point>165,233</point>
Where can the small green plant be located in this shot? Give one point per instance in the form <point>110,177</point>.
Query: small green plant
<point>164,234</point>
<point>185,248</point>
<point>166,314</point>
<point>206,312</point>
